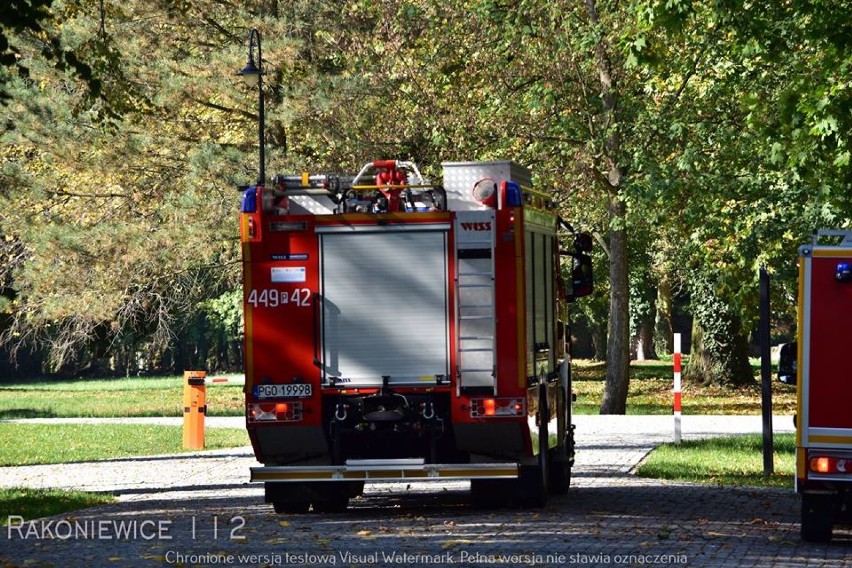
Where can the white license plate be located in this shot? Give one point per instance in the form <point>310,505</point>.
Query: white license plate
<point>299,390</point>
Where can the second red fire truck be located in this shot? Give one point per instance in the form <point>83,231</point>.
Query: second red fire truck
<point>398,329</point>
<point>824,388</point>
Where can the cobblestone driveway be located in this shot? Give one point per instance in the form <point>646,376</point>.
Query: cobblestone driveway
<point>198,511</point>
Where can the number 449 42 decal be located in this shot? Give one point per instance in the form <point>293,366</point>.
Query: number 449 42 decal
<point>272,298</point>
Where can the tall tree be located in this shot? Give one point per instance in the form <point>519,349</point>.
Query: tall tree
<point>537,82</point>
<point>613,179</point>
<point>113,221</point>
<point>773,151</point>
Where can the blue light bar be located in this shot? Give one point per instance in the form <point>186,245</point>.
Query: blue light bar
<point>250,200</point>
<point>512,196</point>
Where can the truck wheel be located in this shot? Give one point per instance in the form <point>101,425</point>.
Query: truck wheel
<point>286,498</point>
<point>329,498</point>
<point>492,493</point>
<point>817,517</point>
<point>290,507</point>
<point>333,496</point>
<point>533,479</point>
<point>562,456</point>
<point>532,485</point>
<point>331,504</point>
<point>560,475</point>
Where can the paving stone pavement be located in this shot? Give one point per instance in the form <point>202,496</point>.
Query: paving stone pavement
<point>199,510</point>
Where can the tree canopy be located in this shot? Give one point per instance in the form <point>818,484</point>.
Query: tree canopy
<point>698,140</point>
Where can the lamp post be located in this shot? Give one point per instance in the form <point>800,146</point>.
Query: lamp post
<point>253,76</point>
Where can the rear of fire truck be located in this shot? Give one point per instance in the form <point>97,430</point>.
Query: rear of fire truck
<point>400,330</point>
<point>824,385</point>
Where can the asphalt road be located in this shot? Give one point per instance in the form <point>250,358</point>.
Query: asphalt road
<point>199,510</point>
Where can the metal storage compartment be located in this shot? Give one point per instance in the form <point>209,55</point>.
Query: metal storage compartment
<point>459,178</point>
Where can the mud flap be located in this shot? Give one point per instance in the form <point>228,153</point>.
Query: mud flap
<point>817,517</point>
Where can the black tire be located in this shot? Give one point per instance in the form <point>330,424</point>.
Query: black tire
<point>817,517</point>
<point>287,498</point>
<point>562,456</point>
<point>492,493</point>
<point>290,507</point>
<point>560,474</point>
<point>331,504</point>
<point>333,496</point>
<point>534,479</point>
<point>532,486</point>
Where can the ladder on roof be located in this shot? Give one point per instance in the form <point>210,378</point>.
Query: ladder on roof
<point>475,313</point>
<point>841,238</point>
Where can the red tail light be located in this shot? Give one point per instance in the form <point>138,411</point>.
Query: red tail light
<point>489,406</point>
<point>497,407</point>
<point>829,464</point>
<point>275,412</point>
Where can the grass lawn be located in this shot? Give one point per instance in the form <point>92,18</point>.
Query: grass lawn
<point>28,444</point>
<point>651,392</point>
<point>136,396</point>
<point>731,460</point>
<point>37,503</point>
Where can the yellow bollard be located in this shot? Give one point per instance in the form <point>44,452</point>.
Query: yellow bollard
<point>194,409</point>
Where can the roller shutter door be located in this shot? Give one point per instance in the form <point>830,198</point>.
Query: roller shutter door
<point>384,306</point>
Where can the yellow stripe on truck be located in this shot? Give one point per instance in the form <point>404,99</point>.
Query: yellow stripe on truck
<point>829,440</point>
<point>249,328</point>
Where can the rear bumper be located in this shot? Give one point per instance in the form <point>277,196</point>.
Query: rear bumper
<point>384,470</point>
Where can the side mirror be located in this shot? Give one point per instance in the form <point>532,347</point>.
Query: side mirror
<point>583,242</point>
<point>787,364</point>
<point>582,279</point>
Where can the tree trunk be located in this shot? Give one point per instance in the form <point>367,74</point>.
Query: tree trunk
<point>645,314</point>
<point>618,346</point>
<point>664,328</point>
<point>719,352</point>
<point>645,346</point>
<point>599,334</point>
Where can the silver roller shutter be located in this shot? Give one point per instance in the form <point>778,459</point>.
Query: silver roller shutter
<point>384,306</point>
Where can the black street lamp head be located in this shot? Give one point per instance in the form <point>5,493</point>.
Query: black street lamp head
<point>250,73</point>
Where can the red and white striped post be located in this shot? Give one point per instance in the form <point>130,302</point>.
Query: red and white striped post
<point>677,388</point>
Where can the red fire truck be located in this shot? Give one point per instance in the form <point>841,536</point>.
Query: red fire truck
<point>397,329</point>
<point>814,364</point>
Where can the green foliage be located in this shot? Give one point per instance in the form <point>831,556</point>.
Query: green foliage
<point>226,314</point>
<point>118,231</point>
<point>722,176</point>
<point>717,142</point>
<point>33,18</point>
